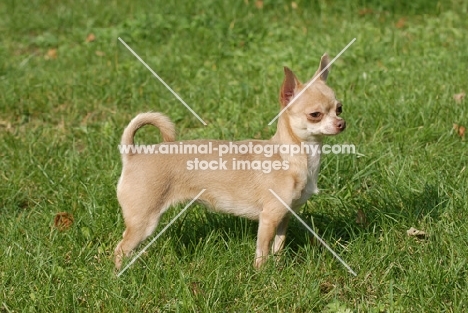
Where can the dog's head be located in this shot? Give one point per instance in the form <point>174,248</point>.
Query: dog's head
<point>314,111</point>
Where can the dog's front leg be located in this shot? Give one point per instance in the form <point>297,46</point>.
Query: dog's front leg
<point>268,223</point>
<point>280,237</point>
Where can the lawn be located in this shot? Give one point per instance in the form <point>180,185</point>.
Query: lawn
<point>68,88</point>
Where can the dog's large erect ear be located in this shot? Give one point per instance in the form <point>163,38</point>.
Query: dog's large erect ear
<point>290,84</point>
<point>323,64</point>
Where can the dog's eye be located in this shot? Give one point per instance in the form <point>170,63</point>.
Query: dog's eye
<point>315,116</point>
<point>339,108</point>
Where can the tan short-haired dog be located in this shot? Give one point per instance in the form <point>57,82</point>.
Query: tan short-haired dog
<point>151,182</point>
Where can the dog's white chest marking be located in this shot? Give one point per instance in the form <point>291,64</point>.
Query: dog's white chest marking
<point>313,168</point>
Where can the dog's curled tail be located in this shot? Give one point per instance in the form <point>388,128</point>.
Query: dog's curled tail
<point>158,120</point>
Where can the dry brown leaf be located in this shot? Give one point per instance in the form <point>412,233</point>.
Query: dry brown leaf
<point>51,54</point>
<point>326,287</point>
<point>294,5</point>
<point>413,232</point>
<point>365,11</point>
<point>100,53</point>
<point>63,221</point>
<point>84,122</point>
<point>5,124</point>
<point>90,38</point>
<point>259,4</point>
<point>461,131</point>
<point>459,97</point>
<point>401,23</point>
<point>196,290</point>
<point>361,218</point>
<point>382,66</point>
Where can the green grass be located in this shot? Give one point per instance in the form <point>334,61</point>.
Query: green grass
<point>61,121</point>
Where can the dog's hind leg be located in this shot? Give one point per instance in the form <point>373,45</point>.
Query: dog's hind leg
<point>138,228</point>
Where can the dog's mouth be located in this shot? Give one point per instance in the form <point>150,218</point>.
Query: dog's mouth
<point>332,130</point>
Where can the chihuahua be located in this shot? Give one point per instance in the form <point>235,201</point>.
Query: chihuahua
<point>238,183</point>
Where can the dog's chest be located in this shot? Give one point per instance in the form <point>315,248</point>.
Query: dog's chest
<point>313,167</point>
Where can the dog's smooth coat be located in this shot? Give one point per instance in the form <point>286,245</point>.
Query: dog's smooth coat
<point>151,183</point>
